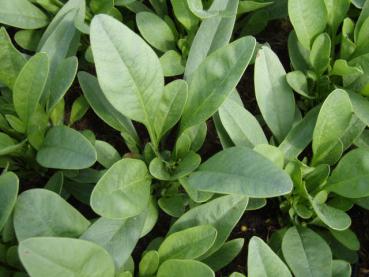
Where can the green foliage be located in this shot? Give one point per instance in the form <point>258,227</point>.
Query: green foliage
<point>95,167</point>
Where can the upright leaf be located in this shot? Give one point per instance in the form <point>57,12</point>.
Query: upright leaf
<point>263,262</point>
<point>273,94</point>
<point>306,253</point>
<point>223,213</point>
<point>156,31</point>
<point>223,70</point>
<point>213,33</point>
<point>128,70</point>
<point>309,18</point>
<point>105,110</point>
<point>241,126</point>
<point>333,119</point>
<point>9,186</point>
<point>29,86</point>
<point>11,60</point>
<point>171,106</point>
<point>62,257</point>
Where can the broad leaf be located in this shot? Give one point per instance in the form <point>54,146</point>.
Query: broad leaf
<point>105,110</point>
<point>309,18</point>
<point>65,148</point>
<point>128,70</point>
<point>123,191</point>
<point>118,237</point>
<point>222,213</point>
<point>306,253</point>
<point>242,171</point>
<point>184,268</point>
<point>156,31</point>
<point>22,14</point>
<point>350,177</point>
<point>43,213</point>
<point>11,60</point>
<point>61,257</point>
<point>263,262</point>
<point>190,243</point>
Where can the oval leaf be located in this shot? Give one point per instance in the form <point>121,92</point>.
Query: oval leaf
<point>123,191</point>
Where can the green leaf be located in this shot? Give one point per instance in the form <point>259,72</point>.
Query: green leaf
<point>223,213</point>
<point>249,6</point>
<point>123,191</point>
<point>299,55</point>
<point>171,62</point>
<point>228,252</point>
<point>263,262</point>
<point>28,39</point>
<point>300,135</point>
<point>8,145</point>
<point>241,126</point>
<point>64,77</point>
<point>350,177</point>
<point>334,218</point>
<point>22,14</point>
<point>79,109</point>
<point>336,13</point>
<point>347,238</point>
<point>118,237</point>
<point>333,119</point>
<point>184,268</point>
<point>9,186</point>
<point>62,257</point>
<point>119,66</point>
<point>189,163</point>
<point>321,53</point>
<point>171,106</point>
<point>65,148</point>
<point>309,18</point>
<point>29,86</point>
<point>61,39</point>
<point>223,70</point>
<point>11,60</point>
<point>156,31</point>
<point>341,268</point>
<point>242,171</point>
<point>190,243</point>
<point>306,253</point>
<point>213,33</point>
<point>105,110</point>
<point>149,263</point>
<point>299,83</point>
<point>107,155</point>
<point>273,94</point>
<point>184,15</point>
<point>41,212</point>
